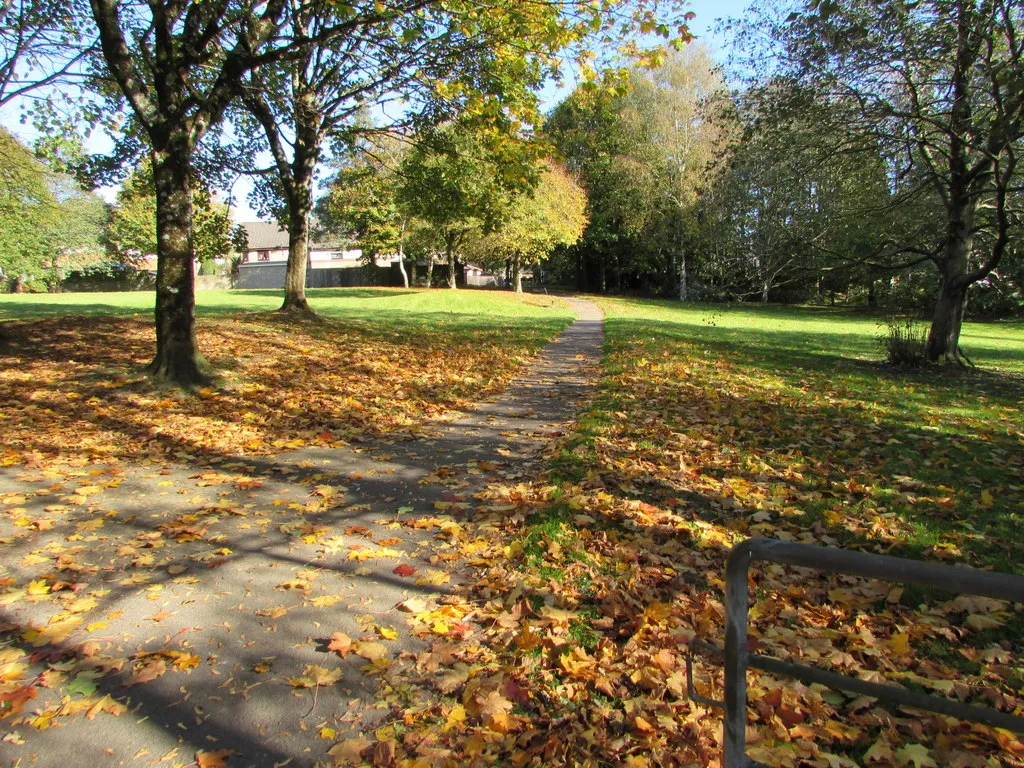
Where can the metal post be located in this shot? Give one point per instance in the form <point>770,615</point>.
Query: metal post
<point>735,737</point>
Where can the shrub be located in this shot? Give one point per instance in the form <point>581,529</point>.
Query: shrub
<point>904,341</point>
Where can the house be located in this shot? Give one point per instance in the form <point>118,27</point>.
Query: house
<point>268,244</point>
<point>265,260</point>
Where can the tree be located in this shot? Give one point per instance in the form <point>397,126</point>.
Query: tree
<point>793,208</point>
<point>588,134</point>
<point>936,86</point>
<point>362,201</point>
<point>460,180</point>
<point>133,231</point>
<point>47,223</point>
<point>75,234</point>
<point>645,156</point>
<point>552,214</point>
<point>678,118</point>
<point>179,65</point>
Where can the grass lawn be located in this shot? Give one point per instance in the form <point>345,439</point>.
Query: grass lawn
<point>384,361</point>
<point>371,305</point>
<point>714,424</point>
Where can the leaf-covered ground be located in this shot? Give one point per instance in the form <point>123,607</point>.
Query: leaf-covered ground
<point>710,427</point>
<point>383,362</point>
<point>581,585</point>
<point>171,558</point>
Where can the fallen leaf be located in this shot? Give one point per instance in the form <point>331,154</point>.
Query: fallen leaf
<point>340,644</point>
<point>371,651</point>
<point>216,759</point>
<point>349,752</point>
<point>313,676</point>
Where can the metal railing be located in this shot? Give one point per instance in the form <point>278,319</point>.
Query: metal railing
<point>738,658</point>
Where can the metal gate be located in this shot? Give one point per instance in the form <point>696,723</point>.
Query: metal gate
<point>738,658</point>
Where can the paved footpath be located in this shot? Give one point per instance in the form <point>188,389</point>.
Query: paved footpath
<point>265,559</point>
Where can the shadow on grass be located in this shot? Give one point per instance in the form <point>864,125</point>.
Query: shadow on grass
<point>833,436</point>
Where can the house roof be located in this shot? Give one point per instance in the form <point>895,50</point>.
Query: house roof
<point>268,236</point>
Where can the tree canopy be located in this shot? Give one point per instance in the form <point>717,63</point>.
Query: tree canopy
<point>48,224</point>
<point>935,88</point>
<point>538,220</point>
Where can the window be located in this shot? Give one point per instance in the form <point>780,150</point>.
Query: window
<point>262,255</point>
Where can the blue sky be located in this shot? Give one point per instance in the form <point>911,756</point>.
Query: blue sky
<point>707,11</point>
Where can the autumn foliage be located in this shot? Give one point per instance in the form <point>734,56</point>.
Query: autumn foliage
<point>592,578</point>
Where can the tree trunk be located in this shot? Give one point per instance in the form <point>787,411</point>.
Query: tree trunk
<point>401,257</point>
<point>177,355</point>
<point>300,205</point>
<point>517,275</point>
<point>944,335</point>
<point>430,270</point>
<point>683,287</point>
<point>449,244</point>
<point>764,292</point>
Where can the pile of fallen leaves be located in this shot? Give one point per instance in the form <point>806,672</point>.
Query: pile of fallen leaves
<point>73,387</point>
<point>569,646</point>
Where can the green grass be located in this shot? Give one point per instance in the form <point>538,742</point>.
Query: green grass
<point>776,389</point>
<point>342,303</point>
<point>385,313</point>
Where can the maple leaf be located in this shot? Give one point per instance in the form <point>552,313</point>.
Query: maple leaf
<point>384,754</point>
<point>340,644</point>
<point>413,605</point>
<point>880,751</point>
<point>916,754</point>
<point>313,676</point>
<point>13,701</point>
<point>325,601</point>
<point>350,751</point>
<point>185,661</point>
<point>106,704</point>
<point>371,651</point>
<point>216,759</point>
<point>404,570</point>
<point>453,679</point>
<point>148,671</point>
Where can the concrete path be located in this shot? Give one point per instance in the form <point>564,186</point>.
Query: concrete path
<point>233,579</point>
